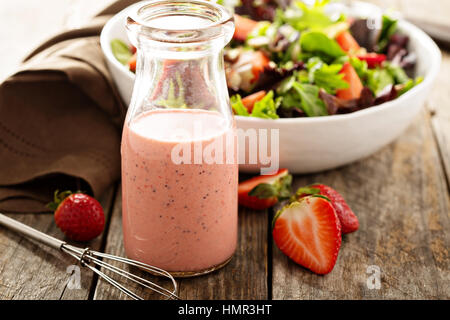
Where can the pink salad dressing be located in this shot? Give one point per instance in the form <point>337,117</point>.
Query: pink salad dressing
<point>179,217</point>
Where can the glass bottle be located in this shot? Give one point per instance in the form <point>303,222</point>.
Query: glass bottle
<point>179,163</point>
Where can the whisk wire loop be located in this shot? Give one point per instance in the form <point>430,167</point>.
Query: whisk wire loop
<point>95,261</point>
<point>87,256</point>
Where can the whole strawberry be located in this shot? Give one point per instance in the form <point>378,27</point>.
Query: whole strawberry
<point>78,215</point>
<point>348,219</point>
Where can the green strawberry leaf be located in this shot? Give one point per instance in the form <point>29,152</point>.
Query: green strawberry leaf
<point>307,191</point>
<point>280,189</point>
<point>284,189</point>
<point>321,196</point>
<point>264,191</point>
<point>58,197</point>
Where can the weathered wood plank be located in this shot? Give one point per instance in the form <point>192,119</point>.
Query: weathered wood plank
<point>244,277</point>
<point>439,104</point>
<point>29,270</point>
<point>401,199</point>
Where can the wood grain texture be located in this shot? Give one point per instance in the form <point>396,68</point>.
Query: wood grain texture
<point>439,104</point>
<point>29,270</point>
<point>244,277</point>
<point>401,199</point>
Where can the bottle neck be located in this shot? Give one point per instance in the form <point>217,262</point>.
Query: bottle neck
<point>181,81</point>
<point>180,61</point>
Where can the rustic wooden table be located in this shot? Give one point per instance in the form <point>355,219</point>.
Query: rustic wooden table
<point>400,194</point>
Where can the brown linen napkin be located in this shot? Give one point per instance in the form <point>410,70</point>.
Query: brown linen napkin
<point>60,121</point>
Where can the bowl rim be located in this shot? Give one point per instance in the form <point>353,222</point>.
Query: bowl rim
<point>104,41</point>
<point>435,58</point>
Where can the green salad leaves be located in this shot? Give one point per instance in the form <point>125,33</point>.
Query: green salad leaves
<point>326,76</point>
<point>310,63</point>
<point>121,51</point>
<point>317,43</point>
<point>311,104</point>
<point>265,108</point>
<point>307,17</point>
<point>388,28</point>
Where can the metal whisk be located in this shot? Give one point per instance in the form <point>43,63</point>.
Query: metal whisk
<point>93,259</point>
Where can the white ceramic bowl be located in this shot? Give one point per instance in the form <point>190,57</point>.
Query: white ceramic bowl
<point>316,144</point>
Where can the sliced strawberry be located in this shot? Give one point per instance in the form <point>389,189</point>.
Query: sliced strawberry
<point>309,232</point>
<point>259,63</point>
<point>250,100</point>
<point>243,27</point>
<point>373,59</point>
<point>347,42</point>
<point>263,192</point>
<point>348,219</point>
<point>132,63</point>
<point>355,84</point>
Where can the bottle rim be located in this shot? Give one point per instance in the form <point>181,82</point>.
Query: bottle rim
<point>140,17</point>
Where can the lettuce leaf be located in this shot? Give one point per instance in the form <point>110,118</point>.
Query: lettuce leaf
<point>311,104</point>
<point>326,76</point>
<point>266,108</point>
<point>121,51</point>
<point>397,73</point>
<point>302,16</point>
<point>238,107</point>
<point>388,28</point>
<point>318,43</point>
<point>391,74</point>
<point>378,80</point>
<point>411,83</point>
<point>301,95</point>
<point>360,67</point>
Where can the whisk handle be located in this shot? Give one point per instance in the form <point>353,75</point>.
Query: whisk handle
<point>30,232</point>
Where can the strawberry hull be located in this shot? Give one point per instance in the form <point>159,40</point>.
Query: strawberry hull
<point>272,182</point>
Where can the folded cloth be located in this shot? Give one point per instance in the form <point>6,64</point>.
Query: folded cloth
<point>60,121</point>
